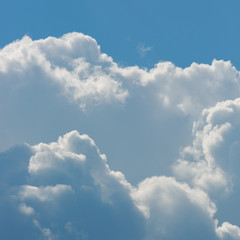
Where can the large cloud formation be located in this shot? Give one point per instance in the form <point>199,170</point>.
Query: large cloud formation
<point>85,75</point>
<point>212,160</point>
<point>73,61</point>
<point>66,189</point>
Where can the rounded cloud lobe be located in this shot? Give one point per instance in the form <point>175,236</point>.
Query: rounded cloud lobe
<point>211,163</point>
<point>87,76</point>
<point>68,191</point>
<point>212,160</point>
<point>189,89</point>
<point>44,77</point>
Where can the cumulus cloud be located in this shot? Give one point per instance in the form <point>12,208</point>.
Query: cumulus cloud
<point>227,230</point>
<point>86,75</point>
<point>75,195</point>
<point>211,163</point>
<point>189,89</point>
<point>25,209</point>
<point>73,61</point>
<point>66,189</point>
<point>70,198</point>
<point>42,83</point>
<point>174,210</point>
<point>212,160</point>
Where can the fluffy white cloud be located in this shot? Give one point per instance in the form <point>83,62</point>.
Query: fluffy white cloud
<point>73,61</point>
<point>66,190</point>
<point>174,210</point>
<point>227,230</point>
<point>70,193</point>
<point>25,209</point>
<point>38,76</point>
<point>212,160</point>
<point>77,195</point>
<point>188,89</point>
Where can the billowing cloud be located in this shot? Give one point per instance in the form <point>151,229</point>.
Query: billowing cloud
<point>66,189</point>
<point>227,230</point>
<point>74,62</point>
<point>212,160</point>
<point>211,163</point>
<point>70,192</point>
<point>174,210</point>
<point>188,89</point>
<point>86,75</point>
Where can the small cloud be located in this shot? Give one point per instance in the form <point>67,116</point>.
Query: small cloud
<point>26,209</point>
<point>143,50</point>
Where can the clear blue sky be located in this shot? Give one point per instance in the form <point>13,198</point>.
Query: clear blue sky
<point>179,31</point>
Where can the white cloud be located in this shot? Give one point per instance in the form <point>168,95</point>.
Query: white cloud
<point>85,75</point>
<point>43,81</point>
<point>25,209</point>
<point>66,199</point>
<point>212,160</point>
<point>171,206</point>
<point>143,50</point>
<point>73,61</point>
<point>68,191</point>
<point>227,230</point>
<point>190,89</point>
<point>43,194</point>
<point>78,199</point>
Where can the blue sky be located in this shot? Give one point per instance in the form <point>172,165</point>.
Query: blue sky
<point>179,31</point>
<point>119,120</point>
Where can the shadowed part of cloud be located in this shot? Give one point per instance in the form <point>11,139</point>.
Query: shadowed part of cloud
<point>66,190</point>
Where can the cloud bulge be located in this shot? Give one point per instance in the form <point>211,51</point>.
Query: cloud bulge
<point>66,189</point>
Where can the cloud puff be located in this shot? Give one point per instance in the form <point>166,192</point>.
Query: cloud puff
<point>189,89</point>
<point>68,191</point>
<point>42,83</point>
<point>174,210</point>
<point>86,75</point>
<point>212,160</point>
<point>73,61</point>
<point>227,230</point>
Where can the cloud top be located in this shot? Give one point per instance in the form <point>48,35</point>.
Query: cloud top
<point>71,192</point>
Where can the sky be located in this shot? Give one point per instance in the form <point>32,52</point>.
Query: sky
<point>119,120</point>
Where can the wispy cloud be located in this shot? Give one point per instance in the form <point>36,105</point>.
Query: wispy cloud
<point>143,50</point>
